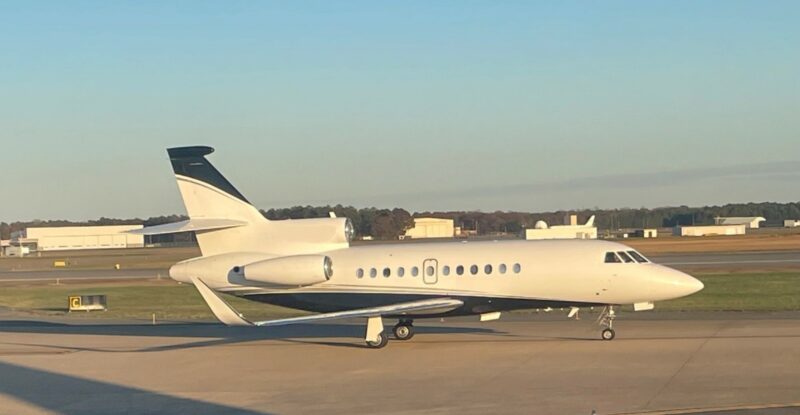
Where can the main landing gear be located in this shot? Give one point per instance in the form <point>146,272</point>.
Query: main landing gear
<point>606,320</point>
<point>404,330</point>
<point>381,341</point>
<point>376,337</point>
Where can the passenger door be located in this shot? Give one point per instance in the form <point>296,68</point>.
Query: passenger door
<point>430,271</point>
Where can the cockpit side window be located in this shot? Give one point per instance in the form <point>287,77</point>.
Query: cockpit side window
<point>612,258</point>
<point>625,257</point>
<point>638,257</point>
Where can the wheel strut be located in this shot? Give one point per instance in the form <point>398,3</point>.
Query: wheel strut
<point>606,319</point>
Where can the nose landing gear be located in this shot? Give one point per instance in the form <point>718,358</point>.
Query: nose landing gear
<point>606,319</point>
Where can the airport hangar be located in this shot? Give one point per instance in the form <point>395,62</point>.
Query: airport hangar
<point>431,228</point>
<point>72,238</point>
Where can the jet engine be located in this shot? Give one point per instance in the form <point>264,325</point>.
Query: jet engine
<point>312,231</point>
<point>295,270</point>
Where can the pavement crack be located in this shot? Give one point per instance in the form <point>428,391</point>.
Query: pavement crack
<point>686,363</point>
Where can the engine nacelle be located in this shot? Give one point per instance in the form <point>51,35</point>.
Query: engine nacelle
<point>296,270</point>
<point>312,231</point>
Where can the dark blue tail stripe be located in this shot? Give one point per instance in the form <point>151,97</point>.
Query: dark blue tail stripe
<point>191,162</point>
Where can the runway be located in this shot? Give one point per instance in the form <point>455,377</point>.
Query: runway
<point>523,364</point>
<point>732,260</point>
<point>78,274</point>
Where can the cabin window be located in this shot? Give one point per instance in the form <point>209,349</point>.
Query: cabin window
<point>517,268</point>
<point>612,258</point>
<point>401,271</point>
<point>430,270</point>
<point>502,268</point>
<point>360,273</point>
<point>638,257</point>
<point>487,269</point>
<point>414,271</point>
<point>373,273</point>
<point>387,272</point>
<point>460,270</point>
<point>473,269</point>
<point>625,257</point>
<point>446,270</point>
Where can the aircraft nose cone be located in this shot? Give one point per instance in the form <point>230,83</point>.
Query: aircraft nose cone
<point>670,283</point>
<point>695,285</point>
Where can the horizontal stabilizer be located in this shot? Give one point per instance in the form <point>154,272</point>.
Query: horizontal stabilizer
<point>190,225</point>
<point>226,314</point>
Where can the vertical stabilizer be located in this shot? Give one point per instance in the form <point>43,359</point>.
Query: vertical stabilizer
<point>207,194</point>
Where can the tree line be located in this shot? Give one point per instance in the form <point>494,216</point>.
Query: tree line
<point>390,223</point>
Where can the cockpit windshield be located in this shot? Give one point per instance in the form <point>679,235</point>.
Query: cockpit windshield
<point>628,257</point>
<point>625,257</point>
<point>612,258</point>
<point>638,257</point>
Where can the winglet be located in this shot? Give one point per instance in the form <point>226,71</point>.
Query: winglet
<point>221,309</point>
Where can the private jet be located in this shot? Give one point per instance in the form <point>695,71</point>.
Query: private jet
<point>309,264</point>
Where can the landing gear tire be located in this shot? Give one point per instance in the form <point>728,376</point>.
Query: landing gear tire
<point>403,331</point>
<point>383,339</point>
<point>608,334</point>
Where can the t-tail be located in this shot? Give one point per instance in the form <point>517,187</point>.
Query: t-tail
<point>225,221</point>
<point>210,199</point>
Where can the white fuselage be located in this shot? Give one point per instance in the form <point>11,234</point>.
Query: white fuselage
<point>570,271</point>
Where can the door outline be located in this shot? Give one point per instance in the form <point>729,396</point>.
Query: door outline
<point>430,279</point>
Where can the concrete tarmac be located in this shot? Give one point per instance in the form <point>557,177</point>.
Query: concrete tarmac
<point>736,362</point>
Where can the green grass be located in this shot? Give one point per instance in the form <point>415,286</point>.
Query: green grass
<point>170,301</point>
<point>779,291</point>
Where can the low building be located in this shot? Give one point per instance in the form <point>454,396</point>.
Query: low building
<point>791,223</point>
<point>709,230</point>
<point>79,237</point>
<point>431,228</point>
<point>570,230</point>
<point>645,233</point>
<point>750,222</point>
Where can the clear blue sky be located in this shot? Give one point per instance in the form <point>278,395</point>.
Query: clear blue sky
<point>423,105</point>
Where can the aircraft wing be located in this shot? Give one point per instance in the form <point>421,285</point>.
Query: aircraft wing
<point>226,314</point>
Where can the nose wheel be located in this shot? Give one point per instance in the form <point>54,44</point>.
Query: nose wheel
<point>606,320</point>
<point>404,330</point>
<point>608,334</point>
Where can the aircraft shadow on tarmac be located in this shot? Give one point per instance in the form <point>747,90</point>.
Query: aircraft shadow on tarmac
<point>216,334</point>
<point>71,395</point>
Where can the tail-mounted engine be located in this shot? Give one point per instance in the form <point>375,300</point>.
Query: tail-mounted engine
<point>296,270</point>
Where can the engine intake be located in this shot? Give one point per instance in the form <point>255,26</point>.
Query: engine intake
<point>296,270</point>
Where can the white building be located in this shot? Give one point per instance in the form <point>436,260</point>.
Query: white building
<point>645,233</point>
<point>791,223</point>
<point>570,230</point>
<point>709,230</point>
<point>81,237</point>
<point>751,222</point>
<point>431,228</point>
